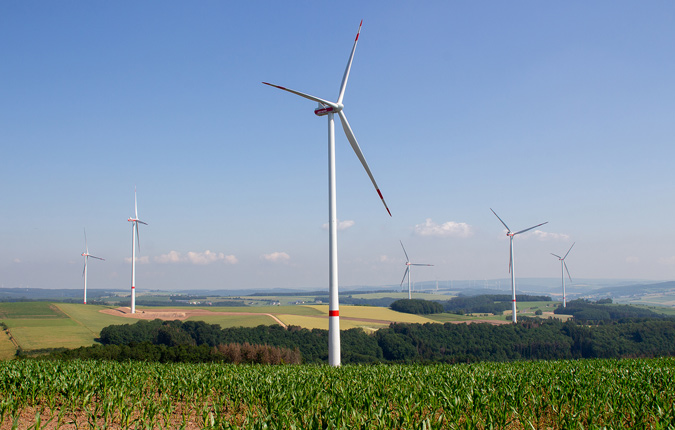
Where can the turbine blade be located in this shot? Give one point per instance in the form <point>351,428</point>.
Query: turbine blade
<point>407,260</point>
<point>359,154</point>
<point>528,229</point>
<point>556,255</point>
<point>144,223</point>
<point>349,66</point>
<point>138,238</point>
<point>85,241</point>
<point>404,275</point>
<point>420,264</point>
<point>568,272</point>
<point>98,258</point>
<point>307,96</point>
<point>568,251</point>
<point>84,267</point>
<point>502,221</point>
<point>135,204</point>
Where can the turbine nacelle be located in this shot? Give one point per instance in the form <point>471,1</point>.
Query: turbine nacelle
<point>323,111</point>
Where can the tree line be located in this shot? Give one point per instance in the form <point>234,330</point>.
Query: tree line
<point>487,303</point>
<point>530,339</point>
<point>417,306</point>
<point>585,310</point>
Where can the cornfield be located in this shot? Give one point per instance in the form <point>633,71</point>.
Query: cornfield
<point>592,394</point>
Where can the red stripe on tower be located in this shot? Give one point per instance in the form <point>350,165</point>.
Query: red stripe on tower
<point>333,313</point>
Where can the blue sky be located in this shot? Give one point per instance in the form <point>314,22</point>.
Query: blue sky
<point>544,111</point>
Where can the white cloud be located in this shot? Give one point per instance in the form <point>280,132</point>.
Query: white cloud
<point>231,259</point>
<point>171,257</point>
<point>668,261</point>
<point>543,235</point>
<point>341,225</point>
<point>276,257</point>
<point>384,259</point>
<point>139,260</point>
<point>199,258</point>
<point>634,260</point>
<point>208,257</point>
<point>17,260</point>
<point>447,229</point>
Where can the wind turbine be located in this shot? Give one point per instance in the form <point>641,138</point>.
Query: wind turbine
<point>408,271</point>
<point>512,268</point>
<point>134,235</point>
<point>328,108</point>
<point>563,265</point>
<point>86,256</point>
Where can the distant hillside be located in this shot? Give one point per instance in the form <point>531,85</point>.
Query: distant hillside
<point>580,287</point>
<point>641,289</point>
<point>12,294</point>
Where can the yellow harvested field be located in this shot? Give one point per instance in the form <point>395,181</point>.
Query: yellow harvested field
<point>226,321</point>
<point>274,310</point>
<point>322,322</point>
<point>90,317</point>
<point>374,313</point>
<point>7,348</point>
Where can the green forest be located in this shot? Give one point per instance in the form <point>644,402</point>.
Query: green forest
<point>487,303</point>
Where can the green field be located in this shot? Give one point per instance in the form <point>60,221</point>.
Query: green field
<point>227,321</point>
<point>39,325</point>
<point>659,304</point>
<point>43,325</point>
<point>582,394</point>
<point>443,318</point>
<point>659,300</point>
<point>32,310</point>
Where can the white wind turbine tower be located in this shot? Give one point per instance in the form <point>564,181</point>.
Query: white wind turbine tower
<point>512,267</point>
<point>86,256</point>
<point>134,235</point>
<point>408,271</point>
<point>328,108</point>
<point>563,265</point>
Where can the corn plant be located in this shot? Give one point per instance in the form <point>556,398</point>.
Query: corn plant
<point>592,394</point>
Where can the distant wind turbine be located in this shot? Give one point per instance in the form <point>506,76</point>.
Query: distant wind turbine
<point>328,108</point>
<point>86,256</point>
<point>563,265</point>
<point>408,271</point>
<point>512,260</point>
<point>134,235</point>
